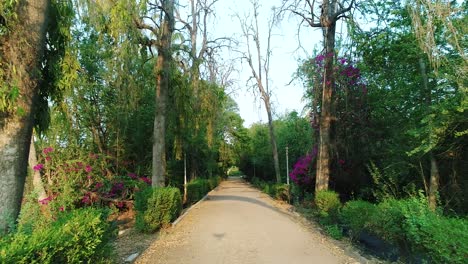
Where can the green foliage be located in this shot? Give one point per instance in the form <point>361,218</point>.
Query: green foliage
<point>444,240</point>
<point>334,231</point>
<point>412,226</point>
<point>156,208</point>
<point>234,171</point>
<point>78,236</point>
<point>213,182</point>
<point>278,191</point>
<point>8,14</point>
<point>292,131</point>
<point>356,215</point>
<point>387,184</point>
<point>281,192</point>
<point>327,202</point>
<point>196,190</point>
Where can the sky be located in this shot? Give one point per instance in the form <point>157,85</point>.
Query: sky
<point>286,96</point>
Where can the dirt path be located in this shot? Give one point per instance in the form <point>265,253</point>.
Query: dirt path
<point>239,224</point>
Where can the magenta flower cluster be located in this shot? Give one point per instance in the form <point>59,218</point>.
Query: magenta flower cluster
<point>46,200</point>
<point>303,171</point>
<point>344,69</point>
<point>38,167</point>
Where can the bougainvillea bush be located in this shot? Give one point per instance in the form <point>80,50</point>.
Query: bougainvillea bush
<point>73,180</point>
<point>350,118</point>
<point>303,173</point>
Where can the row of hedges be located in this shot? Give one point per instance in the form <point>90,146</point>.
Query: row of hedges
<point>278,191</point>
<point>78,236</point>
<point>198,188</point>
<point>408,224</point>
<point>156,208</point>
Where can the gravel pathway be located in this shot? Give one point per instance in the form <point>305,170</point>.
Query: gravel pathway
<point>239,224</point>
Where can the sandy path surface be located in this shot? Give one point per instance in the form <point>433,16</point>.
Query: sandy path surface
<point>239,224</point>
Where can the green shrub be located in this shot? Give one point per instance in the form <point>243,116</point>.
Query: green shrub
<point>327,202</point>
<point>442,239</point>
<point>445,240</point>
<point>388,222</point>
<point>78,236</point>
<point>213,182</point>
<point>281,192</point>
<point>412,226</point>
<point>156,208</point>
<point>356,215</point>
<point>196,190</point>
<point>334,231</point>
<point>256,182</point>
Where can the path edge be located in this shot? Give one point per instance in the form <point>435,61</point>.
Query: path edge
<point>193,206</point>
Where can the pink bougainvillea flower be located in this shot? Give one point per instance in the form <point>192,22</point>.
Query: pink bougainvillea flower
<point>48,158</point>
<point>38,167</point>
<point>86,199</point>
<point>98,185</point>
<point>132,175</point>
<point>47,150</point>
<point>146,179</point>
<point>88,168</point>
<point>61,209</point>
<point>46,200</point>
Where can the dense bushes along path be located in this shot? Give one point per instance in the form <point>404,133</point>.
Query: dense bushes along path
<point>239,224</point>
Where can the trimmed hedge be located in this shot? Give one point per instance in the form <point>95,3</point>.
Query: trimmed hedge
<point>198,188</point>
<point>156,208</point>
<point>410,225</point>
<point>79,236</point>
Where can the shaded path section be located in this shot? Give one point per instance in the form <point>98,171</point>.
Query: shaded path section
<point>239,224</point>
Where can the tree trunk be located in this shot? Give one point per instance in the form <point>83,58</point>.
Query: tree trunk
<point>22,50</point>
<point>273,139</point>
<point>163,71</point>
<point>38,185</point>
<point>434,176</point>
<point>433,184</point>
<point>323,159</point>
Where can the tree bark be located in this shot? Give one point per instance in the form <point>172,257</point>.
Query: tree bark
<point>38,185</point>
<point>22,49</point>
<point>433,184</point>
<point>434,176</point>
<point>323,159</point>
<point>163,71</point>
<point>273,141</point>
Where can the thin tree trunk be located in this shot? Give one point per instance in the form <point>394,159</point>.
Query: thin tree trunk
<point>163,71</point>
<point>38,185</point>
<point>324,160</point>
<point>434,176</point>
<point>433,184</point>
<point>273,140</point>
<point>22,49</point>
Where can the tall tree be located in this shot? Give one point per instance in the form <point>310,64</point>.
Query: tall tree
<point>201,48</point>
<point>260,68</point>
<point>21,50</point>
<point>163,70</point>
<point>162,33</point>
<point>330,12</point>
